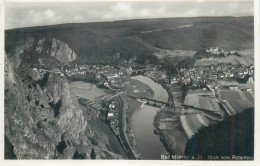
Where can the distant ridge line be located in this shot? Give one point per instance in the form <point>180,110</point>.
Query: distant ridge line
<point>116,21</point>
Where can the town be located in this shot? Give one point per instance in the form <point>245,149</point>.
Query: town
<point>162,80</point>
<point>201,94</point>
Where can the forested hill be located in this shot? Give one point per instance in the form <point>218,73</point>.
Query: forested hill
<point>232,136</point>
<point>95,41</point>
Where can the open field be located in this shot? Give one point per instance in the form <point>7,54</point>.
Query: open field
<point>202,102</point>
<point>224,83</point>
<point>246,53</point>
<point>192,123</point>
<point>247,59</point>
<point>173,53</point>
<point>238,100</point>
<point>250,97</point>
<point>86,90</point>
<point>246,86</point>
<point>137,88</point>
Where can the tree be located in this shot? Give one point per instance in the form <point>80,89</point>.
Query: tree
<point>93,154</point>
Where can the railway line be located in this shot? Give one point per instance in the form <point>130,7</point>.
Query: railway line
<point>124,142</point>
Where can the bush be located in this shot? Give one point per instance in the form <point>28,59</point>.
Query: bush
<point>93,154</point>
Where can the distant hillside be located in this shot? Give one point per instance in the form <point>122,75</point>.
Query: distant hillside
<point>100,41</point>
<point>232,136</point>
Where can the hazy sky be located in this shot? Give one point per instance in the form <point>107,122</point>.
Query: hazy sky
<point>35,14</point>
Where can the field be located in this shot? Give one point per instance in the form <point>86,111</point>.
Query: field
<point>202,102</point>
<point>238,100</point>
<point>232,60</point>
<point>250,97</point>
<point>206,62</point>
<point>192,123</point>
<point>247,59</point>
<point>173,53</point>
<point>246,53</point>
<point>224,83</point>
<point>246,86</point>
<point>137,88</point>
<point>86,90</point>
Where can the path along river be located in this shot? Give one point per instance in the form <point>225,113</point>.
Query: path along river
<point>148,144</point>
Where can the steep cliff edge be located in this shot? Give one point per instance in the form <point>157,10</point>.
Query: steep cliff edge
<point>43,119</point>
<point>40,51</point>
<point>41,114</point>
<point>62,52</point>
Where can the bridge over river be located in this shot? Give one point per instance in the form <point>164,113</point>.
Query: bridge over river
<point>153,102</point>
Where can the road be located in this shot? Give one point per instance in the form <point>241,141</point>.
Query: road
<point>121,130</point>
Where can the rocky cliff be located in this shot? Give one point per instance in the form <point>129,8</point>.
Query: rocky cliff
<point>40,50</point>
<point>61,51</point>
<point>43,119</point>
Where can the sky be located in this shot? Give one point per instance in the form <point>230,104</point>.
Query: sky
<point>18,15</point>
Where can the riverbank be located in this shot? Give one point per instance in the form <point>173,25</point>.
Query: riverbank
<point>169,128</point>
<point>129,110</point>
<point>168,125</point>
<point>159,92</point>
<point>170,96</point>
<point>167,122</point>
<point>135,88</point>
<point>140,125</point>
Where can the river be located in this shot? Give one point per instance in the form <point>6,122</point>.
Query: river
<point>148,144</point>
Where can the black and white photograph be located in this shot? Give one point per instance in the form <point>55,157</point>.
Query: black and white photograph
<point>129,80</point>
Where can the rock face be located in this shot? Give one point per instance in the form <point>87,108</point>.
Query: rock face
<point>43,119</point>
<point>62,52</point>
<point>39,50</point>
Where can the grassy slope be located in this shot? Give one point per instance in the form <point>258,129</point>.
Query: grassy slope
<point>98,40</point>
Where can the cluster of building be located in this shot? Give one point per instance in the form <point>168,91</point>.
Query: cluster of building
<point>83,69</point>
<point>109,76</point>
<point>208,73</point>
<point>112,116</point>
<point>206,96</point>
<point>54,70</point>
<point>217,51</point>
